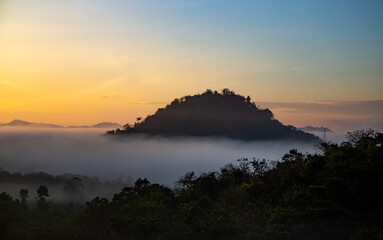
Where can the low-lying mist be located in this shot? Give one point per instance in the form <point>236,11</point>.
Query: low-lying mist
<point>127,158</point>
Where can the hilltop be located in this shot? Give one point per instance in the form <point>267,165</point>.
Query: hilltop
<point>211,113</point>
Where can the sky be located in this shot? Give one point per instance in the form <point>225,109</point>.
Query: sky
<point>87,61</point>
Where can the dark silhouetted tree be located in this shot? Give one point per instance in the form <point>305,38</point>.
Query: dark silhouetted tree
<point>23,196</point>
<point>73,189</point>
<point>42,194</point>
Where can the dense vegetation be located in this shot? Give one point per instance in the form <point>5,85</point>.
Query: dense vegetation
<point>333,195</point>
<point>63,188</point>
<point>215,114</point>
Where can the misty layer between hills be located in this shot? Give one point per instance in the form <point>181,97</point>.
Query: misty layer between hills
<point>158,159</point>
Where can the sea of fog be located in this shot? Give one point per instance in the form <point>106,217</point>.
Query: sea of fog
<point>161,160</point>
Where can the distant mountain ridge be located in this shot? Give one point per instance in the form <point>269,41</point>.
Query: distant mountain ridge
<point>21,123</point>
<point>223,114</point>
<point>315,129</point>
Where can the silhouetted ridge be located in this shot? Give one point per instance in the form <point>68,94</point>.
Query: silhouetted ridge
<point>316,129</point>
<point>21,123</point>
<point>215,114</point>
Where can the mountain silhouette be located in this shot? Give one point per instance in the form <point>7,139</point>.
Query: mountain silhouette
<point>106,125</point>
<point>316,129</point>
<point>223,114</point>
<point>21,123</point>
<point>109,125</point>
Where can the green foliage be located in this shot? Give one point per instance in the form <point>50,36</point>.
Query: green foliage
<point>70,188</point>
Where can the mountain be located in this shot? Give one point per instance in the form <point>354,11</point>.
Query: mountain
<point>109,125</point>
<point>82,126</point>
<point>21,123</point>
<point>316,129</point>
<point>106,125</point>
<point>215,114</point>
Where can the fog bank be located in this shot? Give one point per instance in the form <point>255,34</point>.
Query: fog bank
<point>108,157</point>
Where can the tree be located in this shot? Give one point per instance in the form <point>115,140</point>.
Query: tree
<point>363,137</point>
<point>187,180</point>
<point>23,195</point>
<point>74,189</point>
<point>227,91</point>
<point>127,127</point>
<point>42,193</point>
<point>10,215</point>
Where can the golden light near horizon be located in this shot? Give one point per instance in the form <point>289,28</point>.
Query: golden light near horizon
<point>85,62</point>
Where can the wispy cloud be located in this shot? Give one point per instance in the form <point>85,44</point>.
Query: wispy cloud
<point>134,102</point>
<point>370,108</point>
<point>112,97</point>
<point>147,103</point>
<point>287,109</point>
<point>338,115</point>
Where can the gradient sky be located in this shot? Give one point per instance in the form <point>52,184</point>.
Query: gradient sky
<point>85,61</point>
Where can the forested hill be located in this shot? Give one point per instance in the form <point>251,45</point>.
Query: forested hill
<point>215,114</point>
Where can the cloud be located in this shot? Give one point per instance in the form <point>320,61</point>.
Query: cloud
<point>158,159</point>
<point>372,108</point>
<point>338,115</point>
<point>135,102</point>
<point>112,97</point>
<point>287,109</point>
<point>147,103</point>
